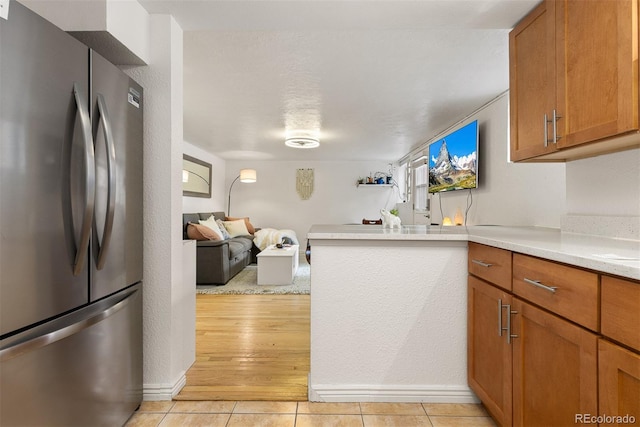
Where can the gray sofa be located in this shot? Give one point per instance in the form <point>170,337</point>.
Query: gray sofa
<point>218,261</point>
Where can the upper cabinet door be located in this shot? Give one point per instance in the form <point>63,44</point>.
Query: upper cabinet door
<point>597,69</point>
<point>532,82</point>
<point>574,80</point>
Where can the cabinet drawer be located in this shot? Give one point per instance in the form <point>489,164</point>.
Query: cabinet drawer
<point>620,310</point>
<point>567,291</point>
<point>490,264</point>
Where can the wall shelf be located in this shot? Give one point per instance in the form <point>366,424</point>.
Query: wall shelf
<point>374,185</point>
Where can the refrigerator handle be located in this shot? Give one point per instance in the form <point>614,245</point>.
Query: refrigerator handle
<point>103,242</point>
<point>90,181</point>
<point>46,339</point>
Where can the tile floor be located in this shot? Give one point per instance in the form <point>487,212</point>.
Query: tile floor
<point>308,414</point>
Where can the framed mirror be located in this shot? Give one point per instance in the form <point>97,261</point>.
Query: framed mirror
<point>196,177</point>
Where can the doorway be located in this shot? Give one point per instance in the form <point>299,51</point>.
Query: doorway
<point>250,347</point>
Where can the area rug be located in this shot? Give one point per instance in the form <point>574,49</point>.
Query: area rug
<point>246,282</point>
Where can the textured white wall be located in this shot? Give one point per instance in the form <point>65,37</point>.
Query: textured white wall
<point>607,185</point>
<point>388,322</point>
<point>162,204</point>
<point>183,311</point>
<point>273,201</point>
<point>217,202</point>
<point>508,193</point>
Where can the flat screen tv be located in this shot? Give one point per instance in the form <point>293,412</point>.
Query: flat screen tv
<point>453,160</point>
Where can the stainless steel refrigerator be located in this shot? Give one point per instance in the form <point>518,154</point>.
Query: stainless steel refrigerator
<point>70,230</point>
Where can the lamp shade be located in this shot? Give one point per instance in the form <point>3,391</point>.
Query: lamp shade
<point>248,175</point>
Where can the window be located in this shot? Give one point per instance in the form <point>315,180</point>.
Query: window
<point>402,181</point>
<point>421,186</point>
<point>415,171</point>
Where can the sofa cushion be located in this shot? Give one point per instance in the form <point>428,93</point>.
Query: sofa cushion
<point>250,228</point>
<point>223,230</point>
<point>245,241</point>
<point>236,249</point>
<point>201,232</point>
<point>186,219</point>
<point>236,228</point>
<point>211,223</point>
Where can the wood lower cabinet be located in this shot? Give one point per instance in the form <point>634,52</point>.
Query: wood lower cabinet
<point>559,349</point>
<point>488,352</point>
<point>620,302</point>
<point>619,386</point>
<point>554,369</point>
<point>567,291</point>
<point>619,367</point>
<point>490,264</point>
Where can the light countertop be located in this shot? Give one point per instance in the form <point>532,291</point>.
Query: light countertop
<point>614,256</point>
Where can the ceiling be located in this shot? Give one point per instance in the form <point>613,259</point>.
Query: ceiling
<point>373,78</point>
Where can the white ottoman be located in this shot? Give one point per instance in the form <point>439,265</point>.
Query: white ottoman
<point>277,266</point>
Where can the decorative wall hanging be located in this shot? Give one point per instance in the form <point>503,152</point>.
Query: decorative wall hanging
<point>304,183</point>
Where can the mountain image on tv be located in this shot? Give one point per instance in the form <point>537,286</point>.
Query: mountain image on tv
<point>449,172</point>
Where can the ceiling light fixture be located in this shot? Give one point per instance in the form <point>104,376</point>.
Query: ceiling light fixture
<point>302,142</point>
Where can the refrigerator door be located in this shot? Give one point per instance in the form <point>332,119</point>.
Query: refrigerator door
<point>82,369</point>
<point>116,112</point>
<point>45,209</point>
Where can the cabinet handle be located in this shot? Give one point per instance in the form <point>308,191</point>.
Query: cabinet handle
<point>481,263</point>
<point>546,130</point>
<point>556,117</point>
<point>510,336</point>
<point>540,285</point>
<point>500,328</point>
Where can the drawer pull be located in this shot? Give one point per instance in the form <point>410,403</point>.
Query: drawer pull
<point>540,285</point>
<point>481,263</point>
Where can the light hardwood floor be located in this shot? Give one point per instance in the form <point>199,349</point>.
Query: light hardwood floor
<point>250,347</point>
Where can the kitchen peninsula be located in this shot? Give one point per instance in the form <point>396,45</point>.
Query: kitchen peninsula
<point>389,307</point>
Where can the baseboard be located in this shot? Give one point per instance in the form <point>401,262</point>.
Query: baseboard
<point>155,392</point>
<point>391,393</point>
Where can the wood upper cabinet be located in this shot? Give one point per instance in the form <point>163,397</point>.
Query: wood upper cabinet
<point>532,85</point>
<point>488,352</point>
<point>597,69</point>
<point>554,369</point>
<point>574,78</point>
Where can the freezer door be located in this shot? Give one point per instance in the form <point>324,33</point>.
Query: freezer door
<point>116,112</point>
<point>44,87</point>
<point>83,369</point>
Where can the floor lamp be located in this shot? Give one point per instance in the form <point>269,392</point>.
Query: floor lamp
<point>247,176</point>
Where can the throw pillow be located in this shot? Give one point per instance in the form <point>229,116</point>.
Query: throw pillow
<point>200,232</point>
<point>250,228</point>
<point>236,228</point>
<point>211,223</point>
<point>223,230</point>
